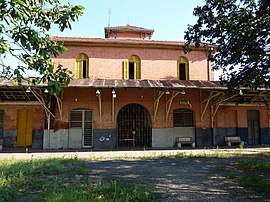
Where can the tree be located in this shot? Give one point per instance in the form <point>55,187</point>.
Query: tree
<point>240,29</point>
<point>24,25</point>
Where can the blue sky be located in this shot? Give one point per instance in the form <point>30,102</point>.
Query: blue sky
<point>168,18</point>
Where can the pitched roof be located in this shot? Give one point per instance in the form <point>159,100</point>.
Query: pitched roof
<point>129,28</point>
<point>115,41</point>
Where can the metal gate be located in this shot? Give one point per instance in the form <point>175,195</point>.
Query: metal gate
<point>133,127</point>
<point>253,127</point>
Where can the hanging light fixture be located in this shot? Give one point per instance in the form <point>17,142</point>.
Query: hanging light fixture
<point>113,94</point>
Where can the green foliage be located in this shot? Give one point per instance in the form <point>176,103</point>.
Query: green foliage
<point>62,180</point>
<point>240,31</point>
<point>254,175</point>
<point>23,35</point>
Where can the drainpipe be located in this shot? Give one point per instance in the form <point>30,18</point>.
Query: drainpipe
<point>49,123</point>
<point>208,71</point>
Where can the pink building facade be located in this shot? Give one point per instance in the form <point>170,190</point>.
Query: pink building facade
<point>133,92</point>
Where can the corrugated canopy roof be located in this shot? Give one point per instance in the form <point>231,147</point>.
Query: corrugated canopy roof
<point>10,91</point>
<point>168,84</point>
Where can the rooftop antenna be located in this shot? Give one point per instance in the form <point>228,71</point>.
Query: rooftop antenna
<point>109,20</point>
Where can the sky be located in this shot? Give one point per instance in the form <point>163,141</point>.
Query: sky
<point>168,18</point>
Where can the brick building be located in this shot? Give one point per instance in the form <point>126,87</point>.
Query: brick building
<point>131,91</point>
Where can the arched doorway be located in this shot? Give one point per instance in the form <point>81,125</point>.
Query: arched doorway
<point>133,126</point>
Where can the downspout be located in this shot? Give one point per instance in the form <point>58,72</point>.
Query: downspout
<point>49,123</point>
<point>208,71</point>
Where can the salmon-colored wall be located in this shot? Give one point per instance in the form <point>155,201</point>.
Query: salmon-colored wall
<point>10,116</point>
<point>156,63</point>
<point>227,116</point>
<point>75,98</point>
<point>240,115</point>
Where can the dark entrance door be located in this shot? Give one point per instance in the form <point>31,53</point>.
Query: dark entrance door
<point>133,127</point>
<point>253,127</point>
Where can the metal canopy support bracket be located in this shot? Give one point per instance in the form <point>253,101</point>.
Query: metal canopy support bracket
<point>215,105</point>
<point>41,100</point>
<point>207,100</point>
<point>169,103</point>
<point>256,97</point>
<point>156,102</point>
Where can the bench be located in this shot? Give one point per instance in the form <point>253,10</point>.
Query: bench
<point>233,140</point>
<point>184,140</point>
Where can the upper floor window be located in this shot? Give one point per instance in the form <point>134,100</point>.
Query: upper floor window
<point>132,68</point>
<point>82,66</point>
<point>182,68</point>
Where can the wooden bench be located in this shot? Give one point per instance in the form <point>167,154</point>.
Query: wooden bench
<point>233,140</point>
<point>184,140</point>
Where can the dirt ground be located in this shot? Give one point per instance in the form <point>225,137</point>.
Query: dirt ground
<point>179,179</point>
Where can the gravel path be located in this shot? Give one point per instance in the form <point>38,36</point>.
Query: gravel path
<point>179,179</point>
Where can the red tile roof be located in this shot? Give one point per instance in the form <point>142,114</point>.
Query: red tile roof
<point>129,28</point>
<point>109,41</point>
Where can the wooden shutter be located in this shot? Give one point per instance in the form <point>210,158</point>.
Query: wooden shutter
<point>126,76</point>
<point>1,123</point>
<point>79,67</point>
<point>137,70</point>
<point>183,118</point>
<point>187,71</point>
<point>76,119</point>
<point>1,119</point>
<point>87,68</point>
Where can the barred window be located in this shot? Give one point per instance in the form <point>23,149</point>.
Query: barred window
<point>183,118</point>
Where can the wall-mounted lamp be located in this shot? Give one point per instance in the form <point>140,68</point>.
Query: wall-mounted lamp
<point>167,92</point>
<point>97,93</point>
<point>46,90</point>
<point>183,92</point>
<point>28,90</point>
<point>113,94</point>
<point>241,92</point>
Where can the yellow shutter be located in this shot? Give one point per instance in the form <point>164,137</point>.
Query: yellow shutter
<point>187,71</point>
<point>126,70</point>
<point>87,68</point>
<point>137,70</point>
<point>178,70</point>
<point>78,69</point>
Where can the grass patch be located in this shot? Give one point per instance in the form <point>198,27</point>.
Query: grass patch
<point>254,175</point>
<point>62,180</point>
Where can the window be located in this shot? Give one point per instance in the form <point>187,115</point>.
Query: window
<point>83,119</point>
<point>1,123</point>
<point>82,66</point>
<point>132,68</point>
<point>182,69</point>
<point>183,118</point>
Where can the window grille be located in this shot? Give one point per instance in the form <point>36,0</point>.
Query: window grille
<point>83,119</point>
<point>183,118</point>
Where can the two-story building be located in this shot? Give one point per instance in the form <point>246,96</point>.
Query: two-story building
<point>132,91</point>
